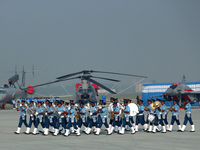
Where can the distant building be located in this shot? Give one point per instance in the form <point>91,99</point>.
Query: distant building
<point>159,88</point>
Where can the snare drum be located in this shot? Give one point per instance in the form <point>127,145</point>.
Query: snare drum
<point>151,118</point>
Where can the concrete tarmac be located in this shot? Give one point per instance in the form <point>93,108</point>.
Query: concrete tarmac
<point>141,140</point>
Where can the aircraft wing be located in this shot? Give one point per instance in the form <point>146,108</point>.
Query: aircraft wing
<point>156,96</point>
<point>191,93</point>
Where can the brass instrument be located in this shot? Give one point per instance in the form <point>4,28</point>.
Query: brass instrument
<point>44,109</point>
<point>111,114</point>
<point>29,110</point>
<point>55,111</point>
<point>77,115</point>
<point>122,113</point>
<point>155,105</point>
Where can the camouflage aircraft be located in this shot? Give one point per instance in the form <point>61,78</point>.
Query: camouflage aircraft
<point>180,92</point>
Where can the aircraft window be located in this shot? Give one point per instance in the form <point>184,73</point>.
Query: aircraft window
<point>174,85</point>
<point>80,90</point>
<point>2,92</point>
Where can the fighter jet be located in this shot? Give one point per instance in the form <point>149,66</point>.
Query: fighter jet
<point>180,92</point>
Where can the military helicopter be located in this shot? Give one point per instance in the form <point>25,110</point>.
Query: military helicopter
<point>180,92</point>
<point>11,91</point>
<point>84,90</point>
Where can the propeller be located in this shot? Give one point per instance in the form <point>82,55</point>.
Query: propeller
<point>91,71</point>
<point>52,82</point>
<point>102,86</point>
<point>69,75</point>
<point>105,79</point>
<point>118,73</point>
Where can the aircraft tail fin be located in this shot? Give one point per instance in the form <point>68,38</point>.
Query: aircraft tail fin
<point>184,80</point>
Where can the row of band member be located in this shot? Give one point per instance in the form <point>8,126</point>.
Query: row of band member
<point>65,118</point>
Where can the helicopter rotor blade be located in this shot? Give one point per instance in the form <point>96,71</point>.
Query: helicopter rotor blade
<point>106,79</point>
<point>51,82</point>
<point>118,73</point>
<point>102,86</point>
<point>69,75</point>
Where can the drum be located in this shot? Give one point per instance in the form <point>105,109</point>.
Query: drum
<point>133,109</point>
<point>151,118</point>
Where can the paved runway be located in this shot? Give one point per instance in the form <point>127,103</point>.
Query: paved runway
<point>141,140</point>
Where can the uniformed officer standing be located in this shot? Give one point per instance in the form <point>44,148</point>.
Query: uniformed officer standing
<point>32,119</point>
<point>147,109</point>
<point>49,118</point>
<point>22,118</point>
<point>82,117</point>
<point>115,112</point>
<point>39,117</point>
<point>125,118</point>
<point>72,121</point>
<point>102,119</point>
<point>164,113</point>
<point>158,120</point>
<point>93,118</point>
<point>60,119</point>
<point>175,116</point>
<point>188,116</point>
<point>140,115</point>
<point>110,108</point>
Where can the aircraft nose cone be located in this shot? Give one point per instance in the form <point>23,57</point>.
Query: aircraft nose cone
<point>169,92</point>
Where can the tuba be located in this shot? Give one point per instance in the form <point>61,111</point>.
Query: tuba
<point>155,105</point>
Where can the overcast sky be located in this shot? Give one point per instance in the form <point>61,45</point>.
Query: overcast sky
<point>156,38</point>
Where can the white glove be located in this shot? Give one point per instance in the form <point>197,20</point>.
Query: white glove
<point>157,105</point>
<point>26,105</point>
<point>59,113</point>
<point>46,113</point>
<point>91,113</point>
<point>36,113</point>
<point>20,105</point>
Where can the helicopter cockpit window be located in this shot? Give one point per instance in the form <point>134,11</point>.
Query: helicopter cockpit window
<point>174,85</point>
<point>80,90</point>
<point>89,89</point>
<point>2,92</point>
